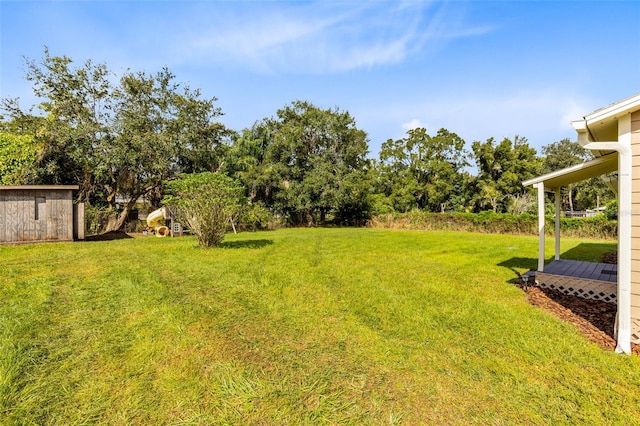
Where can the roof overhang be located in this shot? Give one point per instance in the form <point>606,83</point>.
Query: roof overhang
<point>597,167</point>
<point>602,124</point>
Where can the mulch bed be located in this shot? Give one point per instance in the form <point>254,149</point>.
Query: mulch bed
<point>594,319</point>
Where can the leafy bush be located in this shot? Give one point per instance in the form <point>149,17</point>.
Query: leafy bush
<point>207,202</point>
<point>96,219</point>
<point>255,216</point>
<point>612,210</point>
<point>381,204</point>
<point>17,154</point>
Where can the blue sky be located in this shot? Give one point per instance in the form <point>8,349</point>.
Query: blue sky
<point>477,68</point>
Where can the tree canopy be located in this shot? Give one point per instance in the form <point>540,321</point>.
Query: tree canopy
<point>501,169</point>
<point>423,171</point>
<point>17,156</point>
<point>118,138</point>
<point>123,137</point>
<point>305,164</point>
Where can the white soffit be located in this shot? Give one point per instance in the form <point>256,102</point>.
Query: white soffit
<point>602,124</point>
<point>629,104</point>
<point>600,166</point>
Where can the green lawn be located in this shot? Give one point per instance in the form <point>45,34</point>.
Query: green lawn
<point>303,326</point>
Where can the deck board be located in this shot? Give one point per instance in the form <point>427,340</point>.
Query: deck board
<point>581,269</point>
<point>575,268</point>
<point>589,270</point>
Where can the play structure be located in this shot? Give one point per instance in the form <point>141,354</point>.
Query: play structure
<point>155,221</point>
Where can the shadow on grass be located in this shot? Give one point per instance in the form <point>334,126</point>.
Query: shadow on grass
<point>519,263</point>
<point>108,236</point>
<point>589,252</point>
<point>248,244</point>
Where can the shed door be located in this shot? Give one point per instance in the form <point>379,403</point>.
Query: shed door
<point>41,218</point>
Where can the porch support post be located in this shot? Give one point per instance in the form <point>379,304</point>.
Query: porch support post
<point>624,229</point>
<point>557,230</point>
<point>540,187</point>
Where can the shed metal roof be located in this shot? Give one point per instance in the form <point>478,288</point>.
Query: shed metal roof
<point>39,187</point>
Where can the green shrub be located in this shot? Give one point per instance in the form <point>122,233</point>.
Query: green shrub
<point>96,219</point>
<point>207,202</point>
<point>498,223</point>
<point>612,210</point>
<point>380,204</point>
<point>255,217</point>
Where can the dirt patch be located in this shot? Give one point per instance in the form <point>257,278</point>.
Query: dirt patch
<point>610,257</point>
<point>593,318</point>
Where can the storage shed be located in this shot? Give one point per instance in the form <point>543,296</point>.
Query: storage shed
<point>31,213</point>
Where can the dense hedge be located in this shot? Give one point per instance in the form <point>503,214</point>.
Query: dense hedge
<point>503,223</point>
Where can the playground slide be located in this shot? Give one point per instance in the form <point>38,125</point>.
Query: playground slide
<point>155,219</point>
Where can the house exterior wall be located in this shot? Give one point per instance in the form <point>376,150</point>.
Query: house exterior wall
<point>635,228</point>
<point>36,215</point>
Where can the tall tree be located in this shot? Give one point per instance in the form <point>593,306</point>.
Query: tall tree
<point>501,169</point>
<point>424,171</point>
<point>118,139</point>
<point>157,125</point>
<point>305,164</point>
<point>75,107</point>
<point>17,157</point>
<point>247,161</point>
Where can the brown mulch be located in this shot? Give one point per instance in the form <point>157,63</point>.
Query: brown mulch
<point>594,319</point>
<point>610,257</point>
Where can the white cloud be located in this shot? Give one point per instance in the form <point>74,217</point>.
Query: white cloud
<point>413,124</point>
<point>320,37</point>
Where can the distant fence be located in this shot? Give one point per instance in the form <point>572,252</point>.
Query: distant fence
<point>584,213</point>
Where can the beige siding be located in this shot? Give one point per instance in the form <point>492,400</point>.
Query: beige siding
<point>635,311</point>
<point>635,224</point>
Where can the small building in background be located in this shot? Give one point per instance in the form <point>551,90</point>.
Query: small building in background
<point>34,213</point>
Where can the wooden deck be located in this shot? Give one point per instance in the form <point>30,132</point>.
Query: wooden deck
<point>589,280</point>
<point>580,269</point>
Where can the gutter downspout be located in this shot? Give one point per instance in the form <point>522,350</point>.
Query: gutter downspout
<point>624,240</point>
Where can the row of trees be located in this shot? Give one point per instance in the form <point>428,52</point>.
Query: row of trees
<point>122,138</point>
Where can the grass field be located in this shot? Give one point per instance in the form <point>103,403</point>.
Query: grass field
<point>303,326</point>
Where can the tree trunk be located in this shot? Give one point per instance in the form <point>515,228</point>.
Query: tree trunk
<point>570,199</point>
<point>118,223</point>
